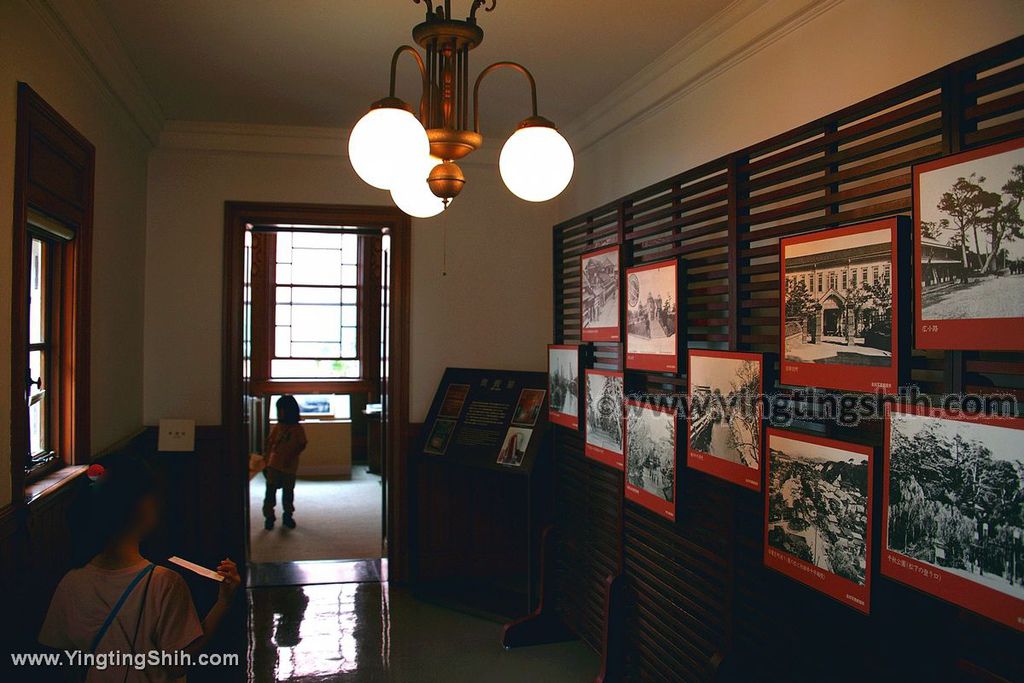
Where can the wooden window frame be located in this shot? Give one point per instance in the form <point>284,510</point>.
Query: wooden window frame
<point>54,176</point>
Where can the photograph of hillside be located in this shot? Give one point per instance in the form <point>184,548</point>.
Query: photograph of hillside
<point>818,505</point>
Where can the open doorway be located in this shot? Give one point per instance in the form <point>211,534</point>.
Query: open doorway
<point>320,292</point>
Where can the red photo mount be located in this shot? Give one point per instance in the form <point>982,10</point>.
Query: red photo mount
<point>572,421</point>
<point>976,595</point>
<point>711,464</point>
<point>644,498</point>
<point>988,334</point>
<point>836,587</point>
<point>655,362</point>
<point>852,376</point>
<point>592,450</point>
<point>612,333</point>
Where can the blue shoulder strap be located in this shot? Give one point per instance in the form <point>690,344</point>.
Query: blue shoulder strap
<point>117,606</point>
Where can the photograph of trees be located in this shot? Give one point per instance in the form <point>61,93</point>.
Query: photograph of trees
<point>651,456</point>
<point>725,419</point>
<point>818,505</point>
<point>956,498</point>
<point>972,238</point>
<point>604,397</point>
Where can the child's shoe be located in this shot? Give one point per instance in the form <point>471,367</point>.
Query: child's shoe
<point>288,521</point>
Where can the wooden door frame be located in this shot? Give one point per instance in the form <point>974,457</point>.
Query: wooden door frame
<point>237,215</point>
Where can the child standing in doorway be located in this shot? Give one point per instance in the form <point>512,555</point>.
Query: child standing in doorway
<point>286,442</point>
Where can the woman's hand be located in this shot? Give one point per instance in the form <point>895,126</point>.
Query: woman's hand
<point>229,570</point>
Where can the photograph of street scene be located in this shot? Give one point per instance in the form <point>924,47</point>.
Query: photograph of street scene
<point>725,416</point>
<point>838,299</point>
<point>818,505</point>
<point>603,400</point>
<point>972,238</point>
<point>956,498</point>
<point>651,320</point>
<point>564,381</point>
<point>599,275</point>
<point>651,450</point>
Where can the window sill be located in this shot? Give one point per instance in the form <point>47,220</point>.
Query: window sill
<point>52,483</point>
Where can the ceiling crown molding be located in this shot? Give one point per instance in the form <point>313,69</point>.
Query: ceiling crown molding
<point>738,32</point>
<point>84,28</point>
<point>247,138</point>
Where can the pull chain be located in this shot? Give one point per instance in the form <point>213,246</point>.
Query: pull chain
<point>444,249</point>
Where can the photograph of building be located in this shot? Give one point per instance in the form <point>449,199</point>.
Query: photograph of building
<point>818,505</point>
<point>603,399</point>
<point>725,413</point>
<point>971,233</point>
<point>652,323</point>
<point>513,449</point>
<point>599,282</point>
<point>955,492</point>
<point>564,385</point>
<point>838,298</point>
<point>651,446</point>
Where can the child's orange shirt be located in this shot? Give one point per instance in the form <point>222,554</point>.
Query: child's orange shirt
<point>284,445</point>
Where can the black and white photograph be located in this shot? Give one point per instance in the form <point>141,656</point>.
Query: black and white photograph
<point>971,235</point>
<point>564,385</point>
<point>513,449</point>
<point>652,317</point>
<point>725,415</point>
<point>651,456</point>
<point>956,498</point>
<point>818,504</point>
<point>839,297</point>
<point>599,294</point>
<point>603,399</point>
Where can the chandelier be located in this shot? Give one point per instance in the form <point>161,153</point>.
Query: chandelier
<point>413,152</point>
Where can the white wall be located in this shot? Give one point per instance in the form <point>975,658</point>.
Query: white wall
<point>31,52</point>
<point>786,63</point>
<point>493,309</point>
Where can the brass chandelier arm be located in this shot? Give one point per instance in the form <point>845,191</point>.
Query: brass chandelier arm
<point>494,67</point>
<point>423,76</point>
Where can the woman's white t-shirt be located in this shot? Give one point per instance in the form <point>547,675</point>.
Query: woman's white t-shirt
<point>86,596</point>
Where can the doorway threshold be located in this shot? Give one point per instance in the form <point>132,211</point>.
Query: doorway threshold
<point>312,572</point>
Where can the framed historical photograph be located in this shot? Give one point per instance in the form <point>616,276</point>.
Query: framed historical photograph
<point>842,307</point>
<point>969,256</point>
<point>652,317</point>
<point>651,457</point>
<point>951,506</point>
<point>725,417</point>
<point>600,282</point>
<point>513,448</point>
<point>604,395</point>
<point>440,436</point>
<point>528,407</point>
<point>818,514</point>
<point>454,398</point>
<point>564,384</point>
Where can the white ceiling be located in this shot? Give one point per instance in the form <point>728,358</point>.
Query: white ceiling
<point>321,62</point>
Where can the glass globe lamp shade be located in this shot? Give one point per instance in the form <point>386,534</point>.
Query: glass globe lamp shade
<point>536,163</point>
<point>412,194</point>
<point>384,142</point>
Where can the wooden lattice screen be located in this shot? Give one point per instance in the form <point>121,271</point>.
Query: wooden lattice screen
<point>699,589</point>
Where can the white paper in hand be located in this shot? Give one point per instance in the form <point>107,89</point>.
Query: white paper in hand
<point>192,566</point>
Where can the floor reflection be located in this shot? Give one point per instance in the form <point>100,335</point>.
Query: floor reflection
<point>369,632</point>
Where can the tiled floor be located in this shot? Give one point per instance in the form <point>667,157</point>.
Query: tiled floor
<point>370,632</point>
